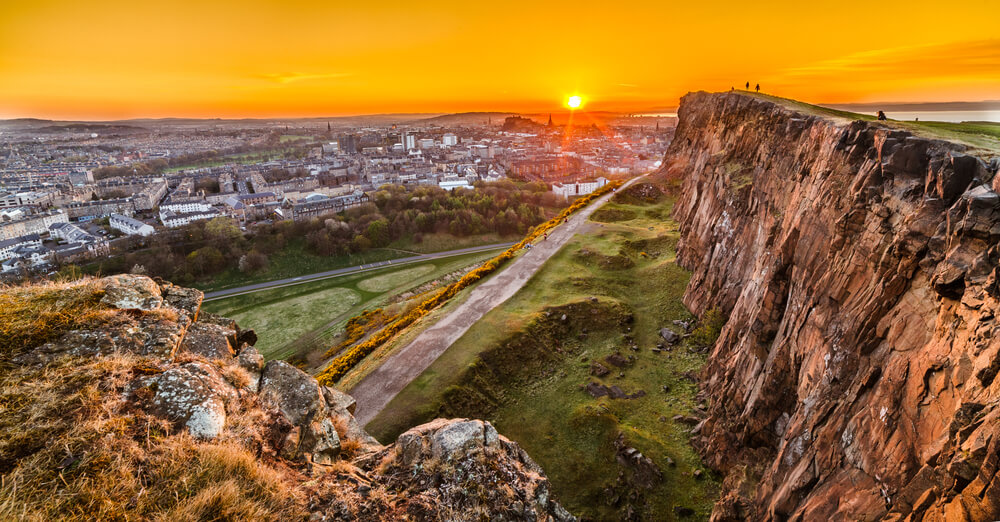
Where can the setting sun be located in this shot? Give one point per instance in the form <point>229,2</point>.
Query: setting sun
<point>574,102</point>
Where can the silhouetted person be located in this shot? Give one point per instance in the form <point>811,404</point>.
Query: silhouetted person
<point>758,87</point>
<point>881,116</point>
<point>748,86</point>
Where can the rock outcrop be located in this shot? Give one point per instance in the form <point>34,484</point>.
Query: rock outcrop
<point>155,401</point>
<point>855,378</point>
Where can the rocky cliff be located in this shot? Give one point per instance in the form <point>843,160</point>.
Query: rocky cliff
<point>857,265</point>
<point>120,399</point>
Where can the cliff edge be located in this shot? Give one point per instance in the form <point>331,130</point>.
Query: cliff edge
<point>855,378</point>
<point>120,399</point>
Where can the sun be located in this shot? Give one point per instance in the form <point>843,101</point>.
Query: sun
<point>574,102</point>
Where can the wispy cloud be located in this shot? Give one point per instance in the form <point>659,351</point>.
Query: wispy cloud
<point>291,77</point>
<point>970,58</point>
<point>627,85</point>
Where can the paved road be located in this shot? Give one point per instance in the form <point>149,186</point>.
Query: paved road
<point>211,296</point>
<point>385,382</point>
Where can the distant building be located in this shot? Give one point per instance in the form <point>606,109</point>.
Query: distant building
<point>132,227</point>
<point>8,247</point>
<point>317,207</point>
<point>33,224</point>
<point>185,207</point>
<point>449,140</point>
<point>454,183</point>
<point>174,220</point>
<point>425,143</point>
<point>578,189</point>
<point>87,210</point>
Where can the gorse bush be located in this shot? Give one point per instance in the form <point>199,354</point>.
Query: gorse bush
<point>343,363</point>
<point>709,328</point>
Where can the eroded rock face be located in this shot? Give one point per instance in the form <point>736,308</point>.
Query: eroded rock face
<point>857,264</point>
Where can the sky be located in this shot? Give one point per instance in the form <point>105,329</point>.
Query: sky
<point>113,59</point>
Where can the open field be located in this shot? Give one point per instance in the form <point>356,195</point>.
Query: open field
<point>294,261</point>
<point>522,367</point>
<point>304,317</point>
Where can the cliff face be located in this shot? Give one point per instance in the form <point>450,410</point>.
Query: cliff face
<point>120,399</point>
<point>855,378</point>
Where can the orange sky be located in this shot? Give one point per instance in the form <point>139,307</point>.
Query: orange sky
<point>128,58</point>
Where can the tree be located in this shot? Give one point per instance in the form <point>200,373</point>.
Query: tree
<point>252,262</point>
<point>378,233</point>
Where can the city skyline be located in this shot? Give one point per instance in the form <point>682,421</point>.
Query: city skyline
<point>115,60</point>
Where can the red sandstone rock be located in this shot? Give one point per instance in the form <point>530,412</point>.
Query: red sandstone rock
<point>855,378</point>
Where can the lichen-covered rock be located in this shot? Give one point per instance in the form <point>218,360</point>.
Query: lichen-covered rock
<point>858,267</point>
<point>193,395</point>
<point>293,391</point>
<point>454,466</point>
<point>253,362</point>
<point>210,341</point>
<point>285,449</point>
<point>186,300</point>
<point>321,441</point>
<point>131,292</point>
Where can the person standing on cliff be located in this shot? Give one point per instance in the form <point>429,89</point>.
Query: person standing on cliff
<point>748,86</point>
<point>758,87</point>
<point>881,116</point>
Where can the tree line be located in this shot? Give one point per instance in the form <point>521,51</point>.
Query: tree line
<point>395,215</point>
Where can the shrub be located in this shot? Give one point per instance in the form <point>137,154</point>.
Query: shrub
<point>710,327</point>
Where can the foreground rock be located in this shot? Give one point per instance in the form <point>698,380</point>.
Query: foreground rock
<point>855,378</point>
<point>155,402</point>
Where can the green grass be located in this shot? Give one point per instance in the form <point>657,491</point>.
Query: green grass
<point>979,135</point>
<point>441,242</point>
<point>523,370</point>
<point>285,138</point>
<point>301,319</point>
<point>282,321</point>
<point>294,261</point>
<point>385,282</point>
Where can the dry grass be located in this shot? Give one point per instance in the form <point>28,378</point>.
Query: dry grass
<point>35,314</point>
<point>72,448</point>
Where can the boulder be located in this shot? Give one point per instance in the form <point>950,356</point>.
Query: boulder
<point>292,391</point>
<point>669,336</point>
<point>186,300</point>
<point>445,439</point>
<point>194,396</point>
<point>131,292</point>
<point>320,440</point>
<point>253,362</point>
<point>210,341</point>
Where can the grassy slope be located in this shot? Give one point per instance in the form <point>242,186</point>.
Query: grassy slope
<point>979,135</point>
<point>285,315</point>
<point>561,427</point>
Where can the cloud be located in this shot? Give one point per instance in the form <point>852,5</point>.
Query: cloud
<point>977,58</point>
<point>627,85</point>
<point>291,77</point>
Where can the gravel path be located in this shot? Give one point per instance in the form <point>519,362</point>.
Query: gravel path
<point>405,364</point>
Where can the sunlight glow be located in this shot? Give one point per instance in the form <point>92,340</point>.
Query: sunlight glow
<point>574,102</point>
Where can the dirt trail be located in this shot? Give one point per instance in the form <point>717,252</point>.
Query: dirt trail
<point>399,369</point>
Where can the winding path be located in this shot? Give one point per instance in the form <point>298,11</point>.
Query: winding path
<point>380,386</point>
